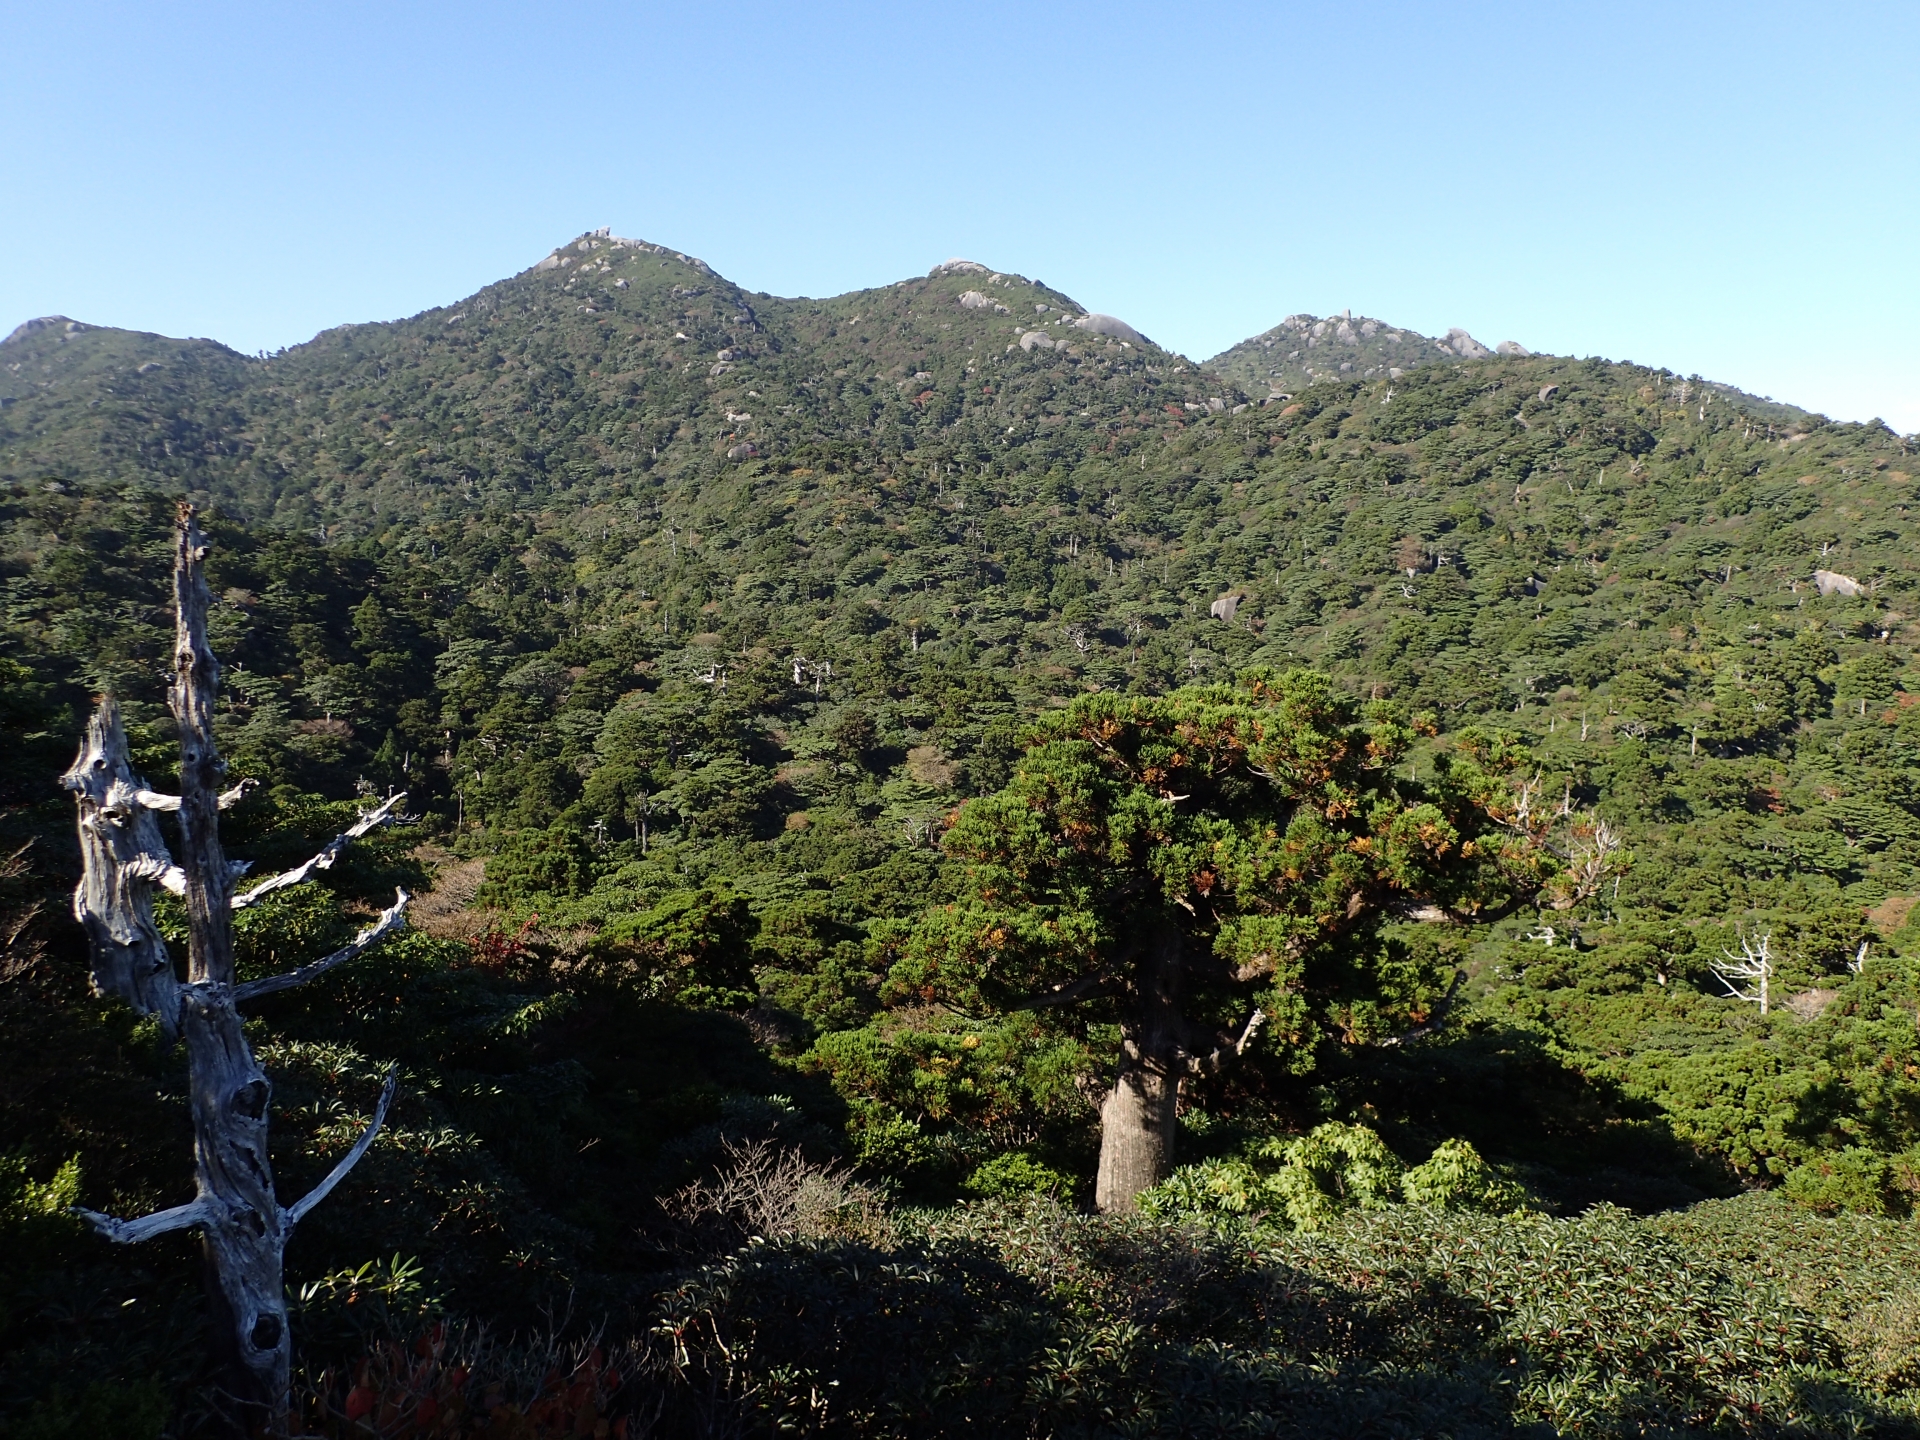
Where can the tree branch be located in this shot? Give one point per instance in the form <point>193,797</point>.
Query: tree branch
<point>298,1210</point>
<point>394,917</point>
<point>1215,1060</point>
<point>324,860</point>
<point>1085,988</point>
<point>1254,1022</point>
<point>1433,1020</point>
<point>198,1211</point>
<point>153,800</point>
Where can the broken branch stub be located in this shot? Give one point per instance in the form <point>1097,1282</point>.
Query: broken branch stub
<point>123,857</point>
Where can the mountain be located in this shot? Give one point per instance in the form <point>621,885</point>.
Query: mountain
<point>1303,349</point>
<point>692,614</point>
<point>608,360</point>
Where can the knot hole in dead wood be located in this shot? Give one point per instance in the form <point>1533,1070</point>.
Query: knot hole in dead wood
<point>265,1334</point>
<point>254,1221</point>
<point>250,1099</point>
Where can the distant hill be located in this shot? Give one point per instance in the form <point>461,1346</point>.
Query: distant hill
<point>1303,349</point>
<point>595,366</point>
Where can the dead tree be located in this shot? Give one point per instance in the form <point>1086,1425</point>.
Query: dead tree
<point>243,1226</point>
<point>1748,976</point>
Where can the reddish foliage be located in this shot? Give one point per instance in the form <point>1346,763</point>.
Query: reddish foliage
<point>423,1395</point>
<point>494,951</point>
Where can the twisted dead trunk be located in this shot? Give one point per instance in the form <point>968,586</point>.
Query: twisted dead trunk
<point>243,1227</point>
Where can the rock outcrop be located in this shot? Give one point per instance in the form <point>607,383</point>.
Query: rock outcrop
<point>1112,328</point>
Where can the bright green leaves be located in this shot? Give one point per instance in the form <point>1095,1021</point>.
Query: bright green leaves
<point>1307,1181</point>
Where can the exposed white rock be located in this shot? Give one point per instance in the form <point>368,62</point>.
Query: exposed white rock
<point>1464,345</point>
<point>1108,325</point>
<point>1545,391</point>
<point>1511,347</point>
<point>974,300</point>
<point>1036,339</point>
<point>1832,582</point>
<point>958,266</point>
<point>1227,606</point>
<point>45,322</point>
<point>744,451</point>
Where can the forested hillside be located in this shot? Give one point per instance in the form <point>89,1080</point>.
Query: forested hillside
<point>693,616</point>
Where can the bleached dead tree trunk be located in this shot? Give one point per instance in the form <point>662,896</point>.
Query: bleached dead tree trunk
<point>243,1226</point>
<point>1753,968</point>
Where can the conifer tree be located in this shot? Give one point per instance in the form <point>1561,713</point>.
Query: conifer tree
<point>1210,870</point>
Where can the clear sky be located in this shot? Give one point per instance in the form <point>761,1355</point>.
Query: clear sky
<point>1725,189</point>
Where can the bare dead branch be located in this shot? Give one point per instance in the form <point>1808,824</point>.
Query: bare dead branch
<point>1254,1022</point>
<point>379,815</point>
<point>394,917</point>
<point>1752,968</point>
<point>297,1211</point>
<point>1226,1051</point>
<point>198,1211</point>
<point>153,800</point>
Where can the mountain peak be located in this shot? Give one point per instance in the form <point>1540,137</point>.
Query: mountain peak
<point>1303,349</point>
<point>45,322</point>
<point>605,239</point>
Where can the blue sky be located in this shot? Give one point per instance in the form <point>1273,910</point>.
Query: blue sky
<point>1728,190</point>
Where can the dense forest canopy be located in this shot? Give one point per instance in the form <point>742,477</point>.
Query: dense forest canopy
<point>703,627</point>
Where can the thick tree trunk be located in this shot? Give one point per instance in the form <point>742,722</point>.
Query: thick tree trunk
<point>125,857</point>
<point>1137,1117</point>
<point>1136,1134</point>
<point>245,1232</point>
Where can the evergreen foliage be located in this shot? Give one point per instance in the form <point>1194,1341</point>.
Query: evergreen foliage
<point>721,661</point>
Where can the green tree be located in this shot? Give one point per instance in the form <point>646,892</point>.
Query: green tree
<point>1196,866</point>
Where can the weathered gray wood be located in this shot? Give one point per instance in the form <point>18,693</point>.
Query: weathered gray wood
<point>124,858</point>
<point>297,1211</point>
<point>393,918</point>
<point>161,1222</point>
<point>328,854</point>
<point>153,800</point>
<point>243,1227</point>
<point>244,1236</point>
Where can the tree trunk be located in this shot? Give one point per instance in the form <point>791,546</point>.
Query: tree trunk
<point>1137,1117</point>
<point>245,1232</point>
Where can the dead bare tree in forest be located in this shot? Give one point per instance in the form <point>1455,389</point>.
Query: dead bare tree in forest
<point>1748,976</point>
<point>243,1226</point>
